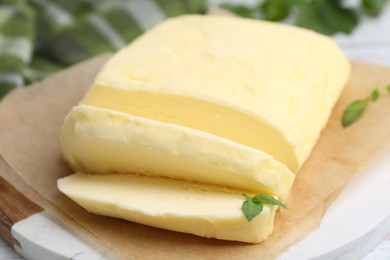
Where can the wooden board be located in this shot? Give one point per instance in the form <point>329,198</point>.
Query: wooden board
<point>14,207</point>
<point>30,145</point>
<point>357,231</point>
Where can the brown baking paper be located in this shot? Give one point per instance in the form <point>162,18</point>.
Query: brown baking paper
<point>30,120</point>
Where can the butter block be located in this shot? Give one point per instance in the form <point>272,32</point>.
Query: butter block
<point>195,112</point>
<point>203,210</point>
<point>268,86</point>
<point>104,141</point>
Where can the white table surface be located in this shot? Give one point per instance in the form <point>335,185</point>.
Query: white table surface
<point>370,42</point>
<point>7,252</point>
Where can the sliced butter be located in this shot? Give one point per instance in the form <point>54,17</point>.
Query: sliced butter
<point>214,105</point>
<point>202,210</point>
<point>264,85</point>
<point>98,140</point>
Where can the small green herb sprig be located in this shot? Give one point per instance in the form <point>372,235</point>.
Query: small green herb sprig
<point>356,109</point>
<point>253,206</point>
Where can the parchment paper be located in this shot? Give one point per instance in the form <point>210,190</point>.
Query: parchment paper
<point>30,120</point>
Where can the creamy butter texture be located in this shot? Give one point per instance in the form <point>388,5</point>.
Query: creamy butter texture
<point>101,141</point>
<point>222,102</point>
<point>202,210</point>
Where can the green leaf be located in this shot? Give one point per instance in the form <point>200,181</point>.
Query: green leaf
<point>309,16</point>
<point>339,18</point>
<point>253,206</point>
<point>373,7</point>
<point>240,10</point>
<point>269,200</point>
<point>388,88</point>
<point>251,209</point>
<point>327,17</point>
<point>375,94</point>
<point>354,111</point>
<point>324,16</point>
<point>275,10</point>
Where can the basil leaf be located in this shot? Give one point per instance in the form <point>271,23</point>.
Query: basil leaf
<point>275,10</point>
<point>251,209</point>
<point>310,16</point>
<point>269,200</point>
<point>375,94</point>
<point>240,10</point>
<point>388,88</point>
<point>354,111</point>
<point>253,206</point>
<point>373,7</point>
<point>339,18</point>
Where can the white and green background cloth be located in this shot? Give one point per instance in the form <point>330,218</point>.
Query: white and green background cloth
<point>39,37</point>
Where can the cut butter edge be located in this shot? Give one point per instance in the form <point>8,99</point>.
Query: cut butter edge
<point>199,209</point>
<point>211,117</point>
<point>265,85</point>
<point>189,102</point>
<point>103,141</point>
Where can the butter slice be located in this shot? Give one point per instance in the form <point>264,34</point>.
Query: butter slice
<point>264,85</point>
<point>214,105</point>
<point>103,141</point>
<point>202,210</point>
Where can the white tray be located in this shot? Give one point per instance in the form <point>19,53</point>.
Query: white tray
<point>354,224</point>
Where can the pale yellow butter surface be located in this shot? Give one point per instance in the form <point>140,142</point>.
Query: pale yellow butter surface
<point>215,105</point>
<point>203,210</point>
<point>265,85</point>
<point>100,141</point>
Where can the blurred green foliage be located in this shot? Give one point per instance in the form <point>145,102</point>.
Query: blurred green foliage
<point>40,37</point>
<point>324,16</point>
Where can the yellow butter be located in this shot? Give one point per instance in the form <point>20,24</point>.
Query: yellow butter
<point>98,140</point>
<point>202,210</point>
<point>268,86</point>
<point>203,108</point>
